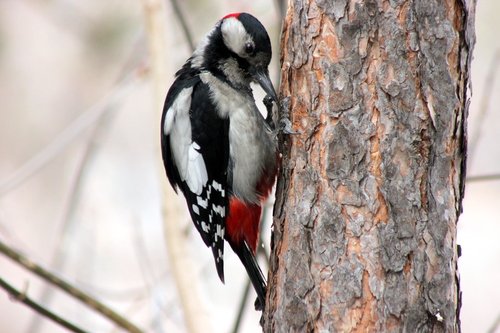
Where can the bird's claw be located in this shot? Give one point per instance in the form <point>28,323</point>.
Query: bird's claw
<point>285,127</point>
<point>268,103</point>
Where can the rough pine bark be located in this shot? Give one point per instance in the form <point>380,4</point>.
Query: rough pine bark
<point>370,190</point>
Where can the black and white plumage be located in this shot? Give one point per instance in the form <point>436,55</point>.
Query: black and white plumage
<point>217,148</point>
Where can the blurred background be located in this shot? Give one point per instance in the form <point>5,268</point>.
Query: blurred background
<point>81,178</point>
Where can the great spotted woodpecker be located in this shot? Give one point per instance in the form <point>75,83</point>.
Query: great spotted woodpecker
<point>217,148</point>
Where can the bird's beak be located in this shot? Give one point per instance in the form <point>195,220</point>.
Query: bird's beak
<point>262,77</point>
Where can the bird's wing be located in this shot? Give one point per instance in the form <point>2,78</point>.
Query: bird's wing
<point>195,148</point>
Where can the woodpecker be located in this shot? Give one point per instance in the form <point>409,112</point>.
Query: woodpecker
<point>217,147</point>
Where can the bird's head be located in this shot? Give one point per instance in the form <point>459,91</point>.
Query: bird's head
<point>239,48</point>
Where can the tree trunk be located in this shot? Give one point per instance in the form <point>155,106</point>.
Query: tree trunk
<point>370,189</point>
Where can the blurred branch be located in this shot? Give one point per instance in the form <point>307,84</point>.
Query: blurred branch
<point>182,21</point>
<point>102,123</point>
<point>281,6</point>
<point>68,288</point>
<point>489,84</point>
<point>134,307</point>
<point>148,274</point>
<point>63,15</point>
<point>59,258</point>
<point>120,295</point>
<point>23,298</point>
<point>483,178</point>
<point>172,209</point>
<point>494,325</point>
<point>241,308</point>
<point>68,135</point>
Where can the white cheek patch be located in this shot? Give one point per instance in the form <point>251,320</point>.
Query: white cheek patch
<point>235,36</point>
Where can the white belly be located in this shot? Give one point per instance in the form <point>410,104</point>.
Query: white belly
<point>252,151</point>
<point>252,147</point>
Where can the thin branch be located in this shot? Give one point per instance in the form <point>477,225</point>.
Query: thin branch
<point>69,222</point>
<point>494,325</point>
<point>482,178</point>
<point>58,260</point>
<point>241,308</point>
<point>21,297</point>
<point>147,271</point>
<point>65,16</point>
<point>182,21</point>
<point>172,209</point>
<point>142,257</point>
<point>67,136</point>
<point>489,84</point>
<point>281,7</point>
<point>132,308</point>
<point>121,295</point>
<point>68,288</point>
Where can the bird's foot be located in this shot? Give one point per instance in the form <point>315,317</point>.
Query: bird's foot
<point>268,103</point>
<point>285,127</point>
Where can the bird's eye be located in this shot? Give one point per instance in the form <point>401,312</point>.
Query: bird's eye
<point>249,48</point>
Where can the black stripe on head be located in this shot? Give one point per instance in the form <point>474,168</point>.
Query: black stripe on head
<point>259,35</point>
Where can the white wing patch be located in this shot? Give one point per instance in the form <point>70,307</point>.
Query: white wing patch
<point>180,107</point>
<point>218,187</point>
<point>201,202</point>
<point>196,175</point>
<point>186,155</point>
<point>205,227</point>
<point>169,120</point>
<point>219,210</point>
<point>219,232</point>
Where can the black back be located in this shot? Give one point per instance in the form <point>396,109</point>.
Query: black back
<point>210,132</point>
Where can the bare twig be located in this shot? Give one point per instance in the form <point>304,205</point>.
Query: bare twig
<point>120,295</point>
<point>173,209</point>
<point>241,308</point>
<point>69,222</point>
<point>495,325</point>
<point>281,7</point>
<point>68,288</point>
<point>147,271</point>
<point>65,16</point>
<point>183,23</point>
<point>23,298</point>
<point>132,308</point>
<point>59,257</point>
<point>483,178</point>
<point>67,136</point>
<point>489,85</point>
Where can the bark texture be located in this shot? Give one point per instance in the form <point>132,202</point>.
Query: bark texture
<point>370,190</point>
